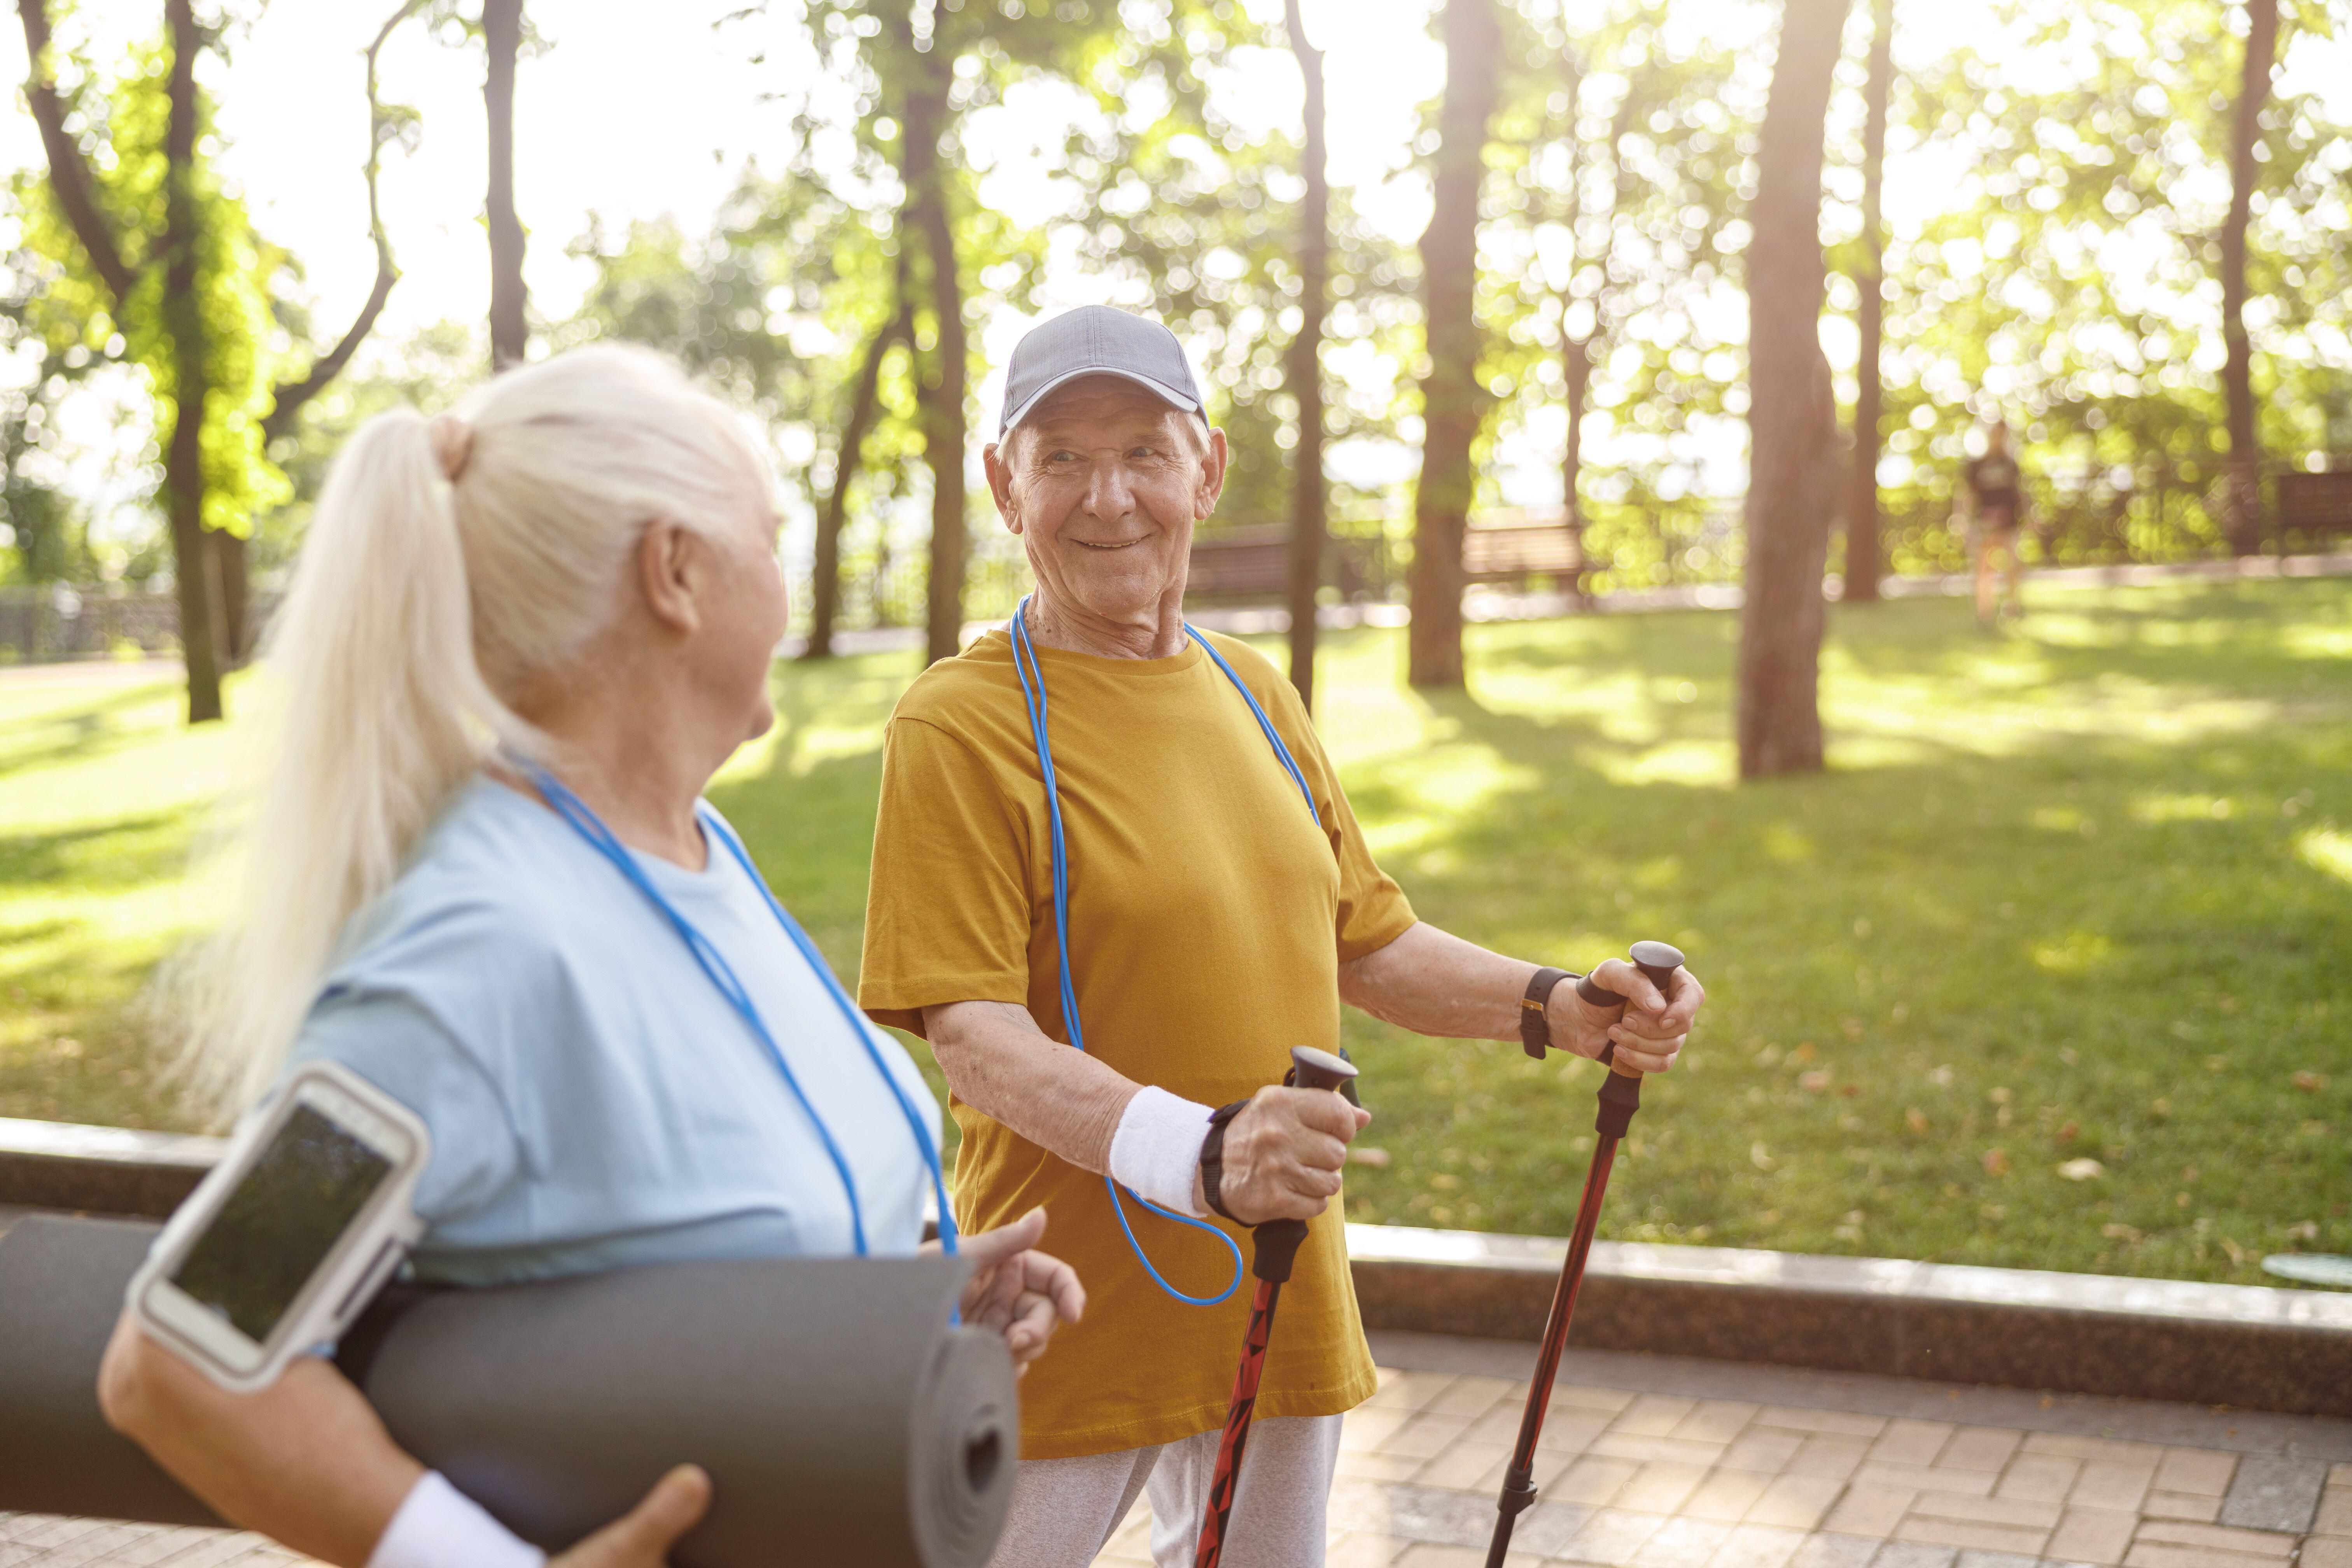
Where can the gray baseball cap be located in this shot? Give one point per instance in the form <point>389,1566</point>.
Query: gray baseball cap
<point>1096,340</point>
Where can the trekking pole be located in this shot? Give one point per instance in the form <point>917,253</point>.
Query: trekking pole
<point>1620,1096</point>
<point>1274,1246</point>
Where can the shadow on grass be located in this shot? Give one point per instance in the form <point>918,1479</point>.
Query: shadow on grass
<point>2191,636</point>
<point>1932,986</point>
<point>125,853</point>
<point>89,730</point>
<point>2231,637</point>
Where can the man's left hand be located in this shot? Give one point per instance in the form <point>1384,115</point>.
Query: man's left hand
<point>1020,1292</point>
<point>1648,1031</point>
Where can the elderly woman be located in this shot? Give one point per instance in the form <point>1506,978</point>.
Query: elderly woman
<point>1211,921</point>
<point>521,640</point>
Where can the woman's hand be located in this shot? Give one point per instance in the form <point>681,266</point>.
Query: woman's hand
<point>642,1537</point>
<point>1020,1292</point>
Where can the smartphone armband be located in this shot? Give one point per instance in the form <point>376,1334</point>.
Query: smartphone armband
<point>290,1237</point>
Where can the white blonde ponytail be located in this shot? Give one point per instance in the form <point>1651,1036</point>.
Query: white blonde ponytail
<point>421,606</point>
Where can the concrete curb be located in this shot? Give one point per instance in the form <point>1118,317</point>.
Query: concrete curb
<point>2248,1346</point>
<point>2251,1347</point>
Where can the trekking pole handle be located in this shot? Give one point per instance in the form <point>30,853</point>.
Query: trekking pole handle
<point>1621,1092</point>
<point>1311,1069</point>
<point>1275,1243</point>
<point>1658,960</point>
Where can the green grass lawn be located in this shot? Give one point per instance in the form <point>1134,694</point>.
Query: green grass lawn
<point>2080,892</point>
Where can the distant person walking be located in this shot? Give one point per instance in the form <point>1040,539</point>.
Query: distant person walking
<point>1997,507</point>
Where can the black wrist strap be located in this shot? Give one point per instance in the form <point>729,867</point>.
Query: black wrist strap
<point>1535,1029</point>
<point>1213,1157</point>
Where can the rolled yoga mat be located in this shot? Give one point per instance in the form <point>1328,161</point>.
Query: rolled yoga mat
<point>842,1419</point>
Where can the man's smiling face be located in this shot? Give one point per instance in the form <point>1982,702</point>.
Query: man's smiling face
<point>1103,482</point>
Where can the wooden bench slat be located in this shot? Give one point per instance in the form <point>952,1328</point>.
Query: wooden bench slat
<point>1255,562</point>
<point>2316,503</point>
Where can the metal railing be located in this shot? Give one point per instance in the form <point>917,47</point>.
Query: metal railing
<point>57,621</point>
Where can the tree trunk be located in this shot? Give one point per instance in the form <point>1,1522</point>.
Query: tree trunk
<point>865,400</point>
<point>1576,366</point>
<point>2238,370</point>
<point>184,321</point>
<point>1303,370</point>
<point>925,221</point>
<point>1791,415</point>
<point>70,179</point>
<point>502,38</point>
<point>1866,560</point>
<point>1452,402</point>
<point>183,315</point>
<point>226,559</point>
<point>1575,353</point>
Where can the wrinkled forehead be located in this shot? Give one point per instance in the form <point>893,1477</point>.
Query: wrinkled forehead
<point>1096,408</point>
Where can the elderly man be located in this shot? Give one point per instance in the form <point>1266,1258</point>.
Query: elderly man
<point>1212,923</point>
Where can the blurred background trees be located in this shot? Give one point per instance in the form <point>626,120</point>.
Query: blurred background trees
<point>133,249</point>
<point>2121,225</point>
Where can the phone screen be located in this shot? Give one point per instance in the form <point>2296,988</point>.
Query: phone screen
<point>309,1181</point>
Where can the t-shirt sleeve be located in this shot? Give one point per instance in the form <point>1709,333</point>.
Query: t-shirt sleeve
<point>400,1049</point>
<point>1373,910</point>
<point>947,903</point>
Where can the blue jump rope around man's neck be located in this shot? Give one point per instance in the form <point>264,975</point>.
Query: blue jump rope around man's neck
<point>1033,692</point>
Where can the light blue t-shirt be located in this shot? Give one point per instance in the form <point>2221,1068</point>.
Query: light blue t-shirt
<point>594,1100</point>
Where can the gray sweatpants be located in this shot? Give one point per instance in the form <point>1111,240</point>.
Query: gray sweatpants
<point>1064,1510</point>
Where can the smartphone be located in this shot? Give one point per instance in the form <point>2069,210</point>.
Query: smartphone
<point>286,1240</point>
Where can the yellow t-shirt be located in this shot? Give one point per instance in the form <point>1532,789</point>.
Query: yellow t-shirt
<point>1208,915</point>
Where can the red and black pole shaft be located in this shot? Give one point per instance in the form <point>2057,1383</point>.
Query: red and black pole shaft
<point>1274,1247</point>
<point>1620,1096</point>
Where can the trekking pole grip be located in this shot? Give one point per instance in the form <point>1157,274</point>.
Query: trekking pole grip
<point>1274,1246</point>
<point>1311,1069</point>
<point>1621,1092</point>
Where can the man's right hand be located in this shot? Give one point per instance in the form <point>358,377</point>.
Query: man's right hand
<point>1284,1153</point>
<point>642,1537</point>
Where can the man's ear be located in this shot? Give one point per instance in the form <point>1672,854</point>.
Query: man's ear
<point>1000,483</point>
<point>671,571</point>
<point>1213,476</point>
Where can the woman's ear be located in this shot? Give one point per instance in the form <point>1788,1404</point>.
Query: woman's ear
<point>669,558</point>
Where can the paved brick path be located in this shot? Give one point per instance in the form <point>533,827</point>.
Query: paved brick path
<point>1696,1465</point>
<point>1655,1462</point>
<point>30,1538</point>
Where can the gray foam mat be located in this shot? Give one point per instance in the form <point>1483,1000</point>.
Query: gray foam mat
<point>841,1418</point>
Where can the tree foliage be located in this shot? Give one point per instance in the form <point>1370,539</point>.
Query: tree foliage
<point>2069,281</point>
<point>2053,252</point>
<point>121,120</point>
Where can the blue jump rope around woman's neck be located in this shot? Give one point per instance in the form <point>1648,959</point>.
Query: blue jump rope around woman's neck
<point>1033,692</point>
<point>714,964</point>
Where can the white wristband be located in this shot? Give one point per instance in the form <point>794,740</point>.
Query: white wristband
<point>1156,1152</point>
<point>438,1526</point>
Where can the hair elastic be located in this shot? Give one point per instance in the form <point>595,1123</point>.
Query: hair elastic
<point>453,444</point>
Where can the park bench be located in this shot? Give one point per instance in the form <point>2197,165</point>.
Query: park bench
<point>2313,506</point>
<point>1253,562</point>
<point>1513,552</point>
